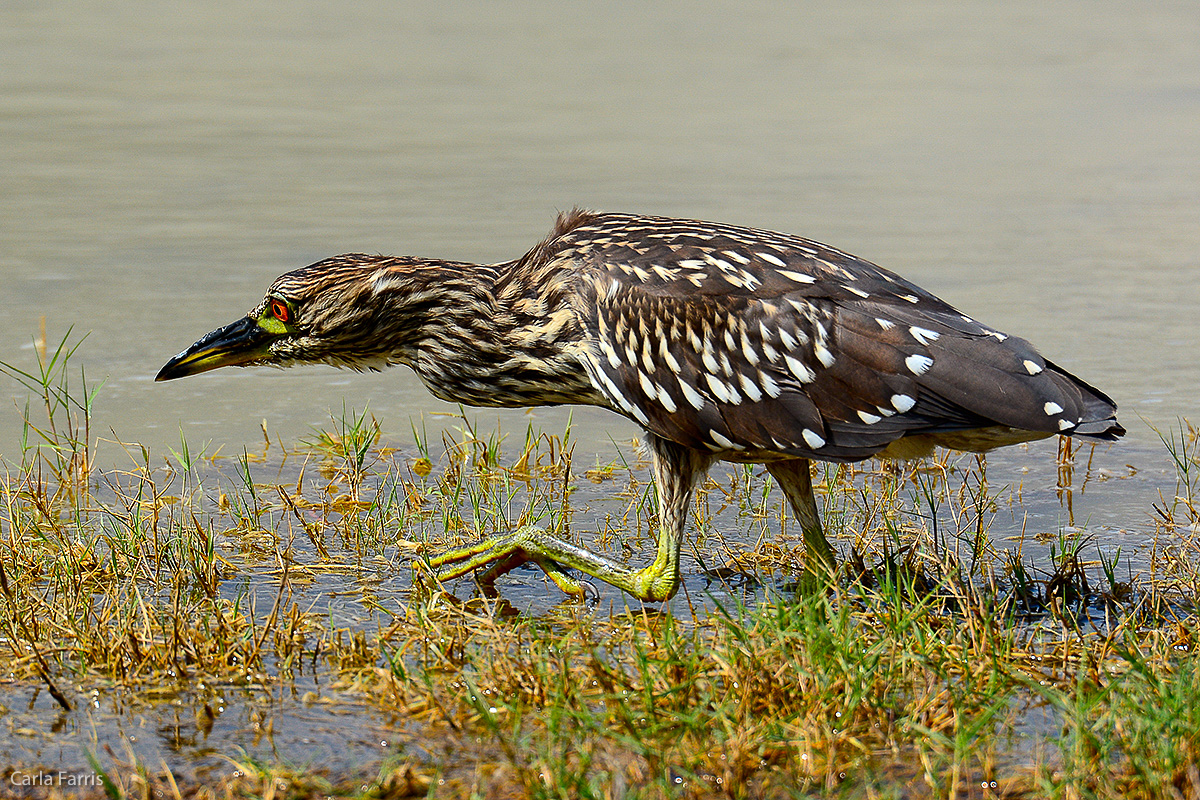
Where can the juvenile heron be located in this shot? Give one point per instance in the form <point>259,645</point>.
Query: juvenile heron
<point>721,342</point>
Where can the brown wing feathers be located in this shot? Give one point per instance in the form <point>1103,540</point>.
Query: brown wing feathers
<point>734,339</point>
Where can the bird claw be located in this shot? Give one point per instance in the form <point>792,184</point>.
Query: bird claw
<point>590,595</point>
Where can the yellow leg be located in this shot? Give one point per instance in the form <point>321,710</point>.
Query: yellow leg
<point>676,470</point>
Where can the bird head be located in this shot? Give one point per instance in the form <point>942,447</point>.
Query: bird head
<point>353,311</point>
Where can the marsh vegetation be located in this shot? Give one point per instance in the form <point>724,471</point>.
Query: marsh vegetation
<point>260,624</point>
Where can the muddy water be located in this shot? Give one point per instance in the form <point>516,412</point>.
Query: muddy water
<point>1033,163</point>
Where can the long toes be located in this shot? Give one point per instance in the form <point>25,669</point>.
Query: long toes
<point>485,553</point>
<point>442,559</point>
<point>450,569</point>
<point>495,556</point>
<point>502,566</point>
<point>460,554</point>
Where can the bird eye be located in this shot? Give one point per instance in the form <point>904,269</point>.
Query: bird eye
<point>280,311</point>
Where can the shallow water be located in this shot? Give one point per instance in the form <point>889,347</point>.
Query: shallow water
<point>306,720</point>
<point>1032,163</point>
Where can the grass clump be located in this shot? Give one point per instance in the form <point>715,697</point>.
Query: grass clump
<point>110,576</point>
<point>875,695</point>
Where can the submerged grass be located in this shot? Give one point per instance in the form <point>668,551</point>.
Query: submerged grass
<point>937,667</point>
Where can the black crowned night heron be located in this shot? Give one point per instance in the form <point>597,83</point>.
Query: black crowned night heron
<point>721,342</point>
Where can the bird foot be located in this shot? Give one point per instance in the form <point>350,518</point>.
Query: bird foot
<point>499,555</point>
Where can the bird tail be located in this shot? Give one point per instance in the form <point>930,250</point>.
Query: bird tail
<point>1099,411</point>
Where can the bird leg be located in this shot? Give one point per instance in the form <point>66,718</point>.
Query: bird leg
<point>795,479</point>
<point>676,471</point>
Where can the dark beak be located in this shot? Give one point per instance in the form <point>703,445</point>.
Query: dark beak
<point>242,342</point>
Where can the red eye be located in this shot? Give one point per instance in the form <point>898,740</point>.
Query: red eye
<point>280,311</point>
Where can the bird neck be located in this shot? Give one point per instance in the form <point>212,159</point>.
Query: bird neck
<point>495,338</point>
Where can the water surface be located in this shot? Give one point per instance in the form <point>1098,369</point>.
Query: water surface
<point>1033,164</point>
